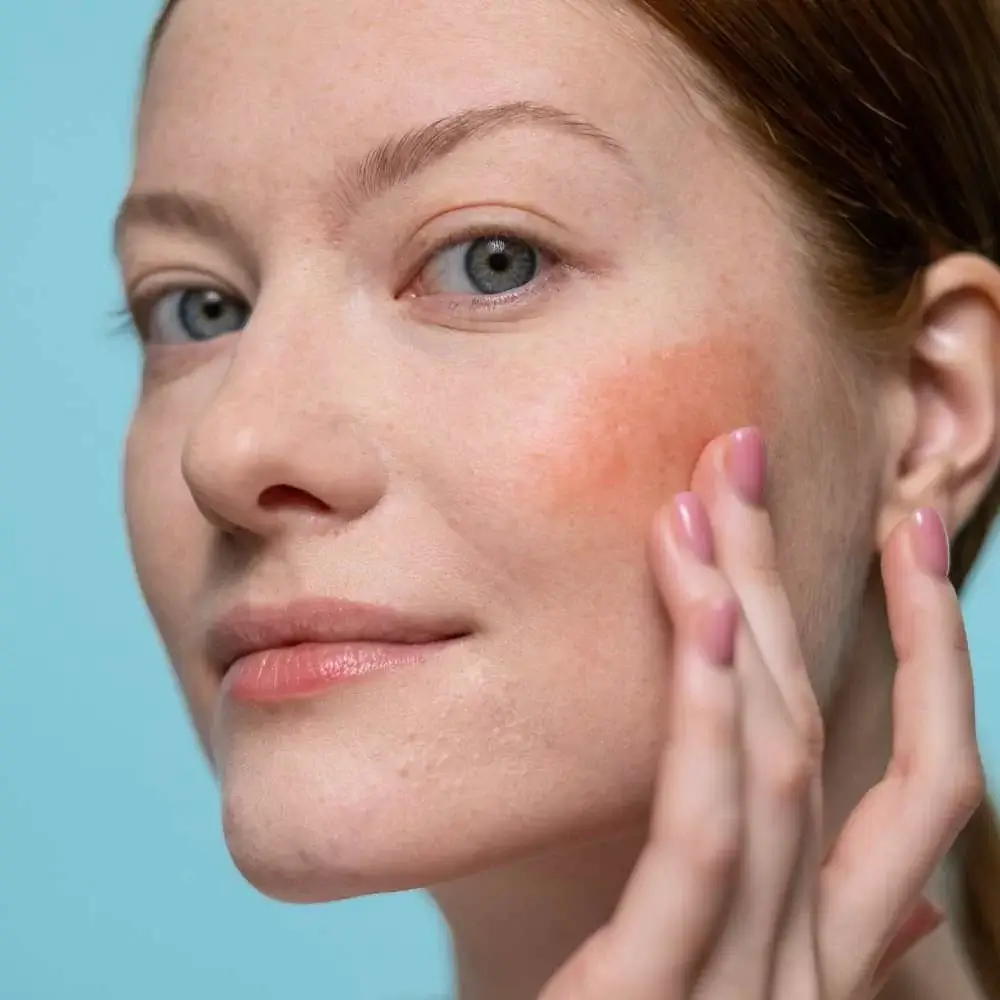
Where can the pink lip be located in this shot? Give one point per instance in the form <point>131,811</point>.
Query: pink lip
<point>269,654</point>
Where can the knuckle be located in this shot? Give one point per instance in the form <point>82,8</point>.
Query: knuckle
<point>711,849</point>
<point>967,787</point>
<point>813,733</point>
<point>790,774</point>
<point>765,572</point>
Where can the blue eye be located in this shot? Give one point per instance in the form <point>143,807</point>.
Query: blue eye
<point>489,265</point>
<point>196,314</point>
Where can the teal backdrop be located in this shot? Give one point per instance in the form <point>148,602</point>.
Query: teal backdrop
<point>114,882</point>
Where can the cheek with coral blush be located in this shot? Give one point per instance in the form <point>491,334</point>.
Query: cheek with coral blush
<point>629,438</point>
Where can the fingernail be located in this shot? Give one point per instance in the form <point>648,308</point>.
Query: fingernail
<point>930,542</point>
<point>692,528</point>
<point>924,920</point>
<point>746,464</point>
<point>717,632</point>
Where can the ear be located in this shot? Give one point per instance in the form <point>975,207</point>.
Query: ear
<point>945,408</point>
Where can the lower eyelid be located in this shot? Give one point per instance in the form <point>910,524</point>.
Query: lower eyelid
<point>456,304</point>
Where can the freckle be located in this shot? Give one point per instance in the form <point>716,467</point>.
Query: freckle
<point>631,436</point>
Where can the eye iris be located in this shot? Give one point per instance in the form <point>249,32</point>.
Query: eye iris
<point>500,264</point>
<point>205,313</point>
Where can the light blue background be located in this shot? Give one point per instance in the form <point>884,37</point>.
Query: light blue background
<point>114,883</point>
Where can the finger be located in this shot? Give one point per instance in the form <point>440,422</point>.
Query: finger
<point>670,910</point>
<point>783,752</point>
<point>905,825</point>
<point>732,477</point>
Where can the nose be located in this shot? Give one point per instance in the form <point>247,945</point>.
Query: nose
<point>279,448</point>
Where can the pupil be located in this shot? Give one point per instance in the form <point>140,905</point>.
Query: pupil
<point>499,261</point>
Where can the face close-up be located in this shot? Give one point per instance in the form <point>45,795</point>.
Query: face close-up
<point>446,316</point>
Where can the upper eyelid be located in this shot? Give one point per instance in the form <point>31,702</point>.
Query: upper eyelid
<point>556,249</point>
<point>152,283</point>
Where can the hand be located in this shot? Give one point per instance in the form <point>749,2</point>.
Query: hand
<point>731,899</point>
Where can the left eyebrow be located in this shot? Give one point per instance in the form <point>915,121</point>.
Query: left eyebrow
<point>390,164</point>
<point>397,160</point>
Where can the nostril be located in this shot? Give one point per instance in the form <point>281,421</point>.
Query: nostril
<point>291,496</point>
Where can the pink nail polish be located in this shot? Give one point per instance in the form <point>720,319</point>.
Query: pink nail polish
<point>923,921</point>
<point>746,464</point>
<point>692,527</point>
<point>930,541</point>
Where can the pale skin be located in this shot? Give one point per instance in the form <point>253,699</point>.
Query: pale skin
<point>616,786</point>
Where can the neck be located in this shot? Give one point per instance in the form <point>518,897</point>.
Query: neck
<point>514,926</point>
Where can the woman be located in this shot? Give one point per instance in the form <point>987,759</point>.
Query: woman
<point>552,420</point>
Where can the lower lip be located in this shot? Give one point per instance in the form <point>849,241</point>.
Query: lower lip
<point>309,669</point>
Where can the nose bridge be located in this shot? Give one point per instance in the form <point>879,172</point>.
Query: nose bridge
<point>284,433</point>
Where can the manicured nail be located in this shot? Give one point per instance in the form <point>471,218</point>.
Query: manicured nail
<point>924,920</point>
<point>717,632</point>
<point>746,464</point>
<point>930,542</point>
<point>692,527</point>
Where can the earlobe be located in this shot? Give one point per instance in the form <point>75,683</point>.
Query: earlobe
<point>950,450</point>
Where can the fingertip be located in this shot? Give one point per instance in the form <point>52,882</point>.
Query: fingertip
<point>691,527</point>
<point>921,541</point>
<point>928,538</point>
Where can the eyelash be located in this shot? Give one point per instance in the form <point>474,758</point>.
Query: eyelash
<point>130,316</point>
<point>121,320</point>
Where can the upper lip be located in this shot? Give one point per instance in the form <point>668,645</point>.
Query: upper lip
<point>249,628</point>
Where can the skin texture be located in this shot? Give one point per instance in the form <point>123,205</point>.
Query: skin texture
<point>368,435</point>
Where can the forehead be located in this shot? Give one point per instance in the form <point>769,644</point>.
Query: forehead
<point>329,78</point>
<point>332,28</point>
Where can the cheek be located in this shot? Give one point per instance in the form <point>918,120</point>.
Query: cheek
<point>166,532</point>
<point>625,440</point>
<point>170,543</point>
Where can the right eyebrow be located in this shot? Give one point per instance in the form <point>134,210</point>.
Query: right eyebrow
<point>177,212</point>
<point>391,163</point>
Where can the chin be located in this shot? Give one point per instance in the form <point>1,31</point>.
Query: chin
<point>319,823</point>
<point>301,829</point>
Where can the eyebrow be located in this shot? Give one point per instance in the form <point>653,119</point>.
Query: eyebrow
<point>388,165</point>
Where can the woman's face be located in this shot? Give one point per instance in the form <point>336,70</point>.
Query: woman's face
<point>475,433</point>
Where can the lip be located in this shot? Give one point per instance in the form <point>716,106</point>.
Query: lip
<point>276,652</point>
